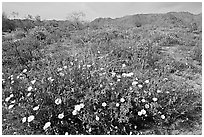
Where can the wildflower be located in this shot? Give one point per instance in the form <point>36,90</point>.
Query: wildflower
<point>71,63</point>
<point>118,80</point>
<point>31,118</point>
<point>140,86</point>
<point>103,104</point>
<point>147,81</point>
<point>117,104</point>
<point>25,70</point>
<point>143,100</point>
<point>82,105</point>
<point>77,107</point>
<point>12,82</point>
<point>13,101</point>
<point>130,74</point>
<point>124,74</point>
<point>167,92</point>
<point>65,67</point>
<point>162,117</point>
<point>74,112</point>
<point>89,129</point>
<point>66,133</point>
<point>113,74</point>
<point>33,81</point>
<point>154,99</point>
<point>143,111</point>
<point>122,100</point>
<point>7,99</point>
<point>88,66</point>
<point>24,119</point>
<point>60,116</point>
<point>10,107</point>
<point>134,83</point>
<point>36,108</point>
<point>30,88</point>
<point>59,69</point>
<point>146,106</point>
<point>159,91</point>
<point>58,101</point>
<point>97,118</point>
<point>61,74</point>
<point>29,94</point>
<point>123,65</point>
<point>118,76</point>
<point>46,125</point>
<point>139,113</point>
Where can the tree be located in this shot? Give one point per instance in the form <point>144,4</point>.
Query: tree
<point>76,19</point>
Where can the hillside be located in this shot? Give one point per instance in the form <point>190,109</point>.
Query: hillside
<point>174,19</point>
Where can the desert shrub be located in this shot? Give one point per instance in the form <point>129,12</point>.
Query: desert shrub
<point>196,53</point>
<point>20,35</point>
<point>111,95</point>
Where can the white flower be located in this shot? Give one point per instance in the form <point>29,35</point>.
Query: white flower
<point>11,96</point>
<point>134,83</point>
<point>71,63</point>
<point>58,101</point>
<point>24,119</point>
<point>118,76</point>
<point>130,74</point>
<point>167,92</point>
<point>123,65</point>
<point>50,79</point>
<point>140,86</point>
<point>124,74</point>
<point>162,117</point>
<point>59,69</point>
<point>60,116</point>
<point>46,125</point>
<point>36,108</point>
<point>154,99</point>
<point>33,81</point>
<point>117,104</point>
<point>30,88</point>
<point>88,66</point>
<point>7,99</point>
<point>82,105</point>
<point>65,67</point>
<point>31,118</point>
<point>61,74</point>
<point>77,107</point>
<point>146,106</point>
<point>146,81</point>
<point>118,80</point>
<point>74,112</point>
<point>139,113</point>
<point>12,82</point>
<point>122,100</point>
<point>159,91</point>
<point>11,106</point>
<point>104,104</point>
<point>97,118</point>
<point>66,133</point>
<point>13,101</point>
<point>113,74</point>
<point>89,129</point>
<point>143,100</point>
<point>29,94</point>
<point>25,70</point>
<point>143,111</point>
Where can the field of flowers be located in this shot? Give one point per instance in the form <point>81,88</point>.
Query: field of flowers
<point>105,81</point>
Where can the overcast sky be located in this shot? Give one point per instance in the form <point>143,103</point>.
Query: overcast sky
<point>59,10</point>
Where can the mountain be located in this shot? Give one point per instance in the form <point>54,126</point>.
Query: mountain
<point>174,19</point>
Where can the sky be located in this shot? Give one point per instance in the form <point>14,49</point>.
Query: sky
<point>92,10</point>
